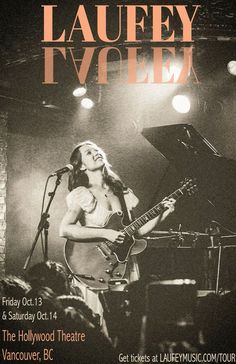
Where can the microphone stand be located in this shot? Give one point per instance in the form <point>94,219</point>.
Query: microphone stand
<point>43,226</point>
<point>218,268</point>
<point>215,240</point>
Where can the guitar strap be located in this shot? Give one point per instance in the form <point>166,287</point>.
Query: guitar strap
<point>126,219</point>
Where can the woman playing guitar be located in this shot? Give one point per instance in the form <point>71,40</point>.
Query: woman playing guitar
<point>96,193</point>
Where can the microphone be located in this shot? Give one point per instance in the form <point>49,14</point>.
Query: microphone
<point>63,170</point>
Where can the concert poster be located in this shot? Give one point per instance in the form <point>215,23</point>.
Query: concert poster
<point>152,85</point>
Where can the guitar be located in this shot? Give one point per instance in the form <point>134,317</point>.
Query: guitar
<point>101,264</point>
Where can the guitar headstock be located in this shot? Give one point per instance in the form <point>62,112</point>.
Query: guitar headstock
<point>189,185</point>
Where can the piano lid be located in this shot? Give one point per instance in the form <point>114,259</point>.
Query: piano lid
<point>194,156</point>
<point>172,140</point>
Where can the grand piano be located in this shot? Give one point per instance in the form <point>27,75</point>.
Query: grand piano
<point>194,156</point>
<point>213,208</point>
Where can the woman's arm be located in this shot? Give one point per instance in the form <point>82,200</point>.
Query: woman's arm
<point>150,225</point>
<point>71,228</point>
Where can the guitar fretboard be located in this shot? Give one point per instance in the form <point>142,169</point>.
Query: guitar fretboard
<point>151,214</point>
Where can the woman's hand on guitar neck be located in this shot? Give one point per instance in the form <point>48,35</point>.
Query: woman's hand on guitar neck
<point>169,205</point>
<point>114,236</point>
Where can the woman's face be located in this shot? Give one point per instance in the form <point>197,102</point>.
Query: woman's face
<point>92,157</point>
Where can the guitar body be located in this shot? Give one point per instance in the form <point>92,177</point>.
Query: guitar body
<point>100,264</point>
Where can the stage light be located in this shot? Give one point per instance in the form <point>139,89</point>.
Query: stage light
<point>231,66</point>
<point>181,104</point>
<point>79,91</point>
<point>87,103</point>
<point>48,105</point>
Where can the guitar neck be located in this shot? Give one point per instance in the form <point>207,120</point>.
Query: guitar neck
<point>156,210</point>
